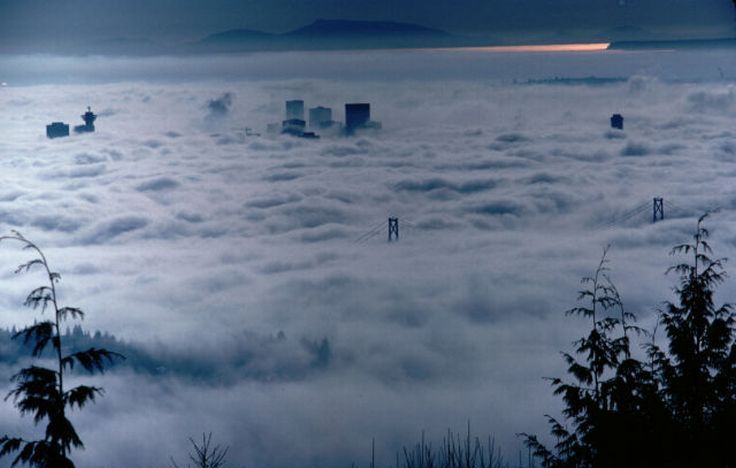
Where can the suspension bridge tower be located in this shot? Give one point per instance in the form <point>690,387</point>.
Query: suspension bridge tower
<point>393,229</point>
<point>657,209</point>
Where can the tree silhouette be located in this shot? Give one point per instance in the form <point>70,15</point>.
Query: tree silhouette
<point>205,455</point>
<point>454,452</point>
<point>590,397</point>
<point>698,373</point>
<point>40,391</point>
<point>677,409</point>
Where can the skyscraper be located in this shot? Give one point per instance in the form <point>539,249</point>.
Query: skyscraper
<point>57,129</point>
<point>295,109</point>
<point>356,115</point>
<point>89,118</point>
<point>617,121</point>
<point>320,117</point>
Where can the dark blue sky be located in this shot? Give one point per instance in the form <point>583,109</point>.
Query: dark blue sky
<point>28,21</point>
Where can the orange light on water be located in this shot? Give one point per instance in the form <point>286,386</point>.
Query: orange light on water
<point>594,47</point>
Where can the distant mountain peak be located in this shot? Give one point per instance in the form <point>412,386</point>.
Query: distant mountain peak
<point>330,34</point>
<point>331,27</point>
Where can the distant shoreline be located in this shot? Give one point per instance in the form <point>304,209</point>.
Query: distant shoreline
<point>689,44</point>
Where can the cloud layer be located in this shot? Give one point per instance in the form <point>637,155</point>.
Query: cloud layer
<point>234,258</point>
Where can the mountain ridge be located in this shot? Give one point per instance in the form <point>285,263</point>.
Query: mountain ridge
<point>353,27</point>
<point>331,34</point>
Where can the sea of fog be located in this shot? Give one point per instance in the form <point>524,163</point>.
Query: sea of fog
<point>254,270</point>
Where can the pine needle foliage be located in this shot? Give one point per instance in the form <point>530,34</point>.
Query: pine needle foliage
<point>698,372</point>
<point>677,408</point>
<point>40,391</point>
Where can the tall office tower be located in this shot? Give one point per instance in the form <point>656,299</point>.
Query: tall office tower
<point>320,117</point>
<point>295,109</point>
<point>356,115</point>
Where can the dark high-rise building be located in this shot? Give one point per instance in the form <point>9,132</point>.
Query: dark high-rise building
<point>57,129</point>
<point>320,117</point>
<point>617,121</point>
<point>89,122</point>
<point>357,115</point>
<point>295,109</point>
<point>293,127</point>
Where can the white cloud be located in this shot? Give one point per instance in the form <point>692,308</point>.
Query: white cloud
<point>186,236</point>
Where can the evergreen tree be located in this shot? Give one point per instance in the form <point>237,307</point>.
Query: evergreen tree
<point>591,398</point>
<point>678,409</point>
<point>698,372</point>
<point>40,391</point>
<point>205,454</point>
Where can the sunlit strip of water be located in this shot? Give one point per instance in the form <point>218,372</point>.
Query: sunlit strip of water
<point>591,47</point>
